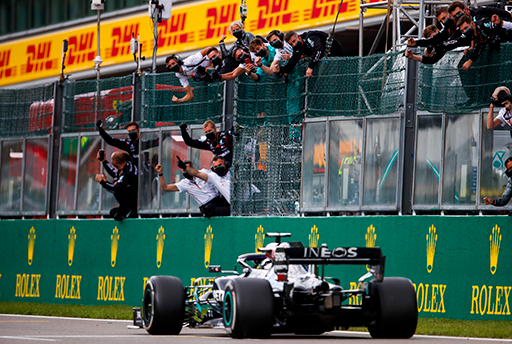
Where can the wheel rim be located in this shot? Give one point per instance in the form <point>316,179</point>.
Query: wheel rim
<point>148,306</point>
<point>228,309</point>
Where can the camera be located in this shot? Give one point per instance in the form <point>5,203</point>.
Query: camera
<point>101,155</point>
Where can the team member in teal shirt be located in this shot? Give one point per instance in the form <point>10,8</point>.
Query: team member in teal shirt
<point>265,55</point>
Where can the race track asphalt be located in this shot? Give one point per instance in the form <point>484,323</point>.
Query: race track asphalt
<point>33,329</point>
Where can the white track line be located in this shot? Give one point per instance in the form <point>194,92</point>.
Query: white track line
<point>65,318</point>
<point>437,337</point>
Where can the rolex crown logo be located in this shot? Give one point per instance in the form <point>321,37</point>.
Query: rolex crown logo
<point>113,246</point>
<point>495,240</point>
<point>314,236</point>
<point>370,238</point>
<point>31,242</point>
<point>259,238</point>
<point>160,238</point>
<point>71,245</point>
<point>431,247</point>
<point>208,241</point>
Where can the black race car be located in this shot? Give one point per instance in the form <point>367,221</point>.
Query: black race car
<point>283,290</point>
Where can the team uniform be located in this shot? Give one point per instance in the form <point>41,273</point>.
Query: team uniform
<point>190,65</point>
<point>222,184</point>
<point>125,191</point>
<point>222,146</point>
<point>505,117</point>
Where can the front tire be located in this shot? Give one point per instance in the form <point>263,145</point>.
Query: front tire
<point>163,308</point>
<point>248,308</point>
<point>397,310</point>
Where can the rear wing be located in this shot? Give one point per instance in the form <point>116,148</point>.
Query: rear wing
<point>371,256</point>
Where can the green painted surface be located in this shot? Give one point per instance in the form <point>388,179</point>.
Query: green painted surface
<point>461,266</point>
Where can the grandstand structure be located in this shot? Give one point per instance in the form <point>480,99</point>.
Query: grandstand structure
<point>365,135</point>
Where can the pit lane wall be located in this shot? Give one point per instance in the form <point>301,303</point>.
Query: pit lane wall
<point>460,266</point>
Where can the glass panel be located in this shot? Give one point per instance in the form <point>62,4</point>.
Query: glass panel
<point>36,171</point>
<point>461,160</point>
<point>381,161</point>
<point>39,10</point>
<point>313,179</point>
<point>496,150</point>
<point>88,188</point>
<point>173,201</point>
<point>22,9</point>
<point>67,173</point>
<point>10,181</point>
<point>149,185</point>
<point>428,160</point>
<point>57,11</point>
<point>345,149</point>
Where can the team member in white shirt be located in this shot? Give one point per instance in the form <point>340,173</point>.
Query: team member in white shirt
<point>501,96</point>
<point>219,176</point>
<point>210,202</point>
<point>185,69</point>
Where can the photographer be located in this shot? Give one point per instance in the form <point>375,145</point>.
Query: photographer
<point>507,194</point>
<point>500,97</point>
<point>124,187</point>
<point>208,198</point>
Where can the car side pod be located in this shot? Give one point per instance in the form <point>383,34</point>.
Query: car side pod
<point>397,312</point>
<point>248,308</point>
<point>163,307</point>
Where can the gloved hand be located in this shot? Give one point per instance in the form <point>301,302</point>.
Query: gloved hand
<point>183,126</point>
<point>181,164</point>
<point>99,124</point>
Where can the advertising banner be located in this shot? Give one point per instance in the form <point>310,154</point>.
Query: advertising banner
<point>459,265</point>
<point>192,26</point>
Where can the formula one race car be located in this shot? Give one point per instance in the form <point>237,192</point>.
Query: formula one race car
<point>281,291</point>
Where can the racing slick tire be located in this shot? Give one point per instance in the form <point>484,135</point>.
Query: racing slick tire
<point>248,308</point>
<point>163,308</point>
<point>397,310</point>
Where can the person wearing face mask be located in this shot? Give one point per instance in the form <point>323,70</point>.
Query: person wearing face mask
<point>131,144</point>
<point>284,51</point>
<point>243,38</point>
<point>124,187</point>
<point>507,193</point>
<point>219,176</point>
<point>185,69</point>
<point>208,198</point>
<point>265,55</point>
<point>219,143</point>
<point>457,9</point>
<point>500,97</point>
<point>310,44</point>
<point>481,33</point>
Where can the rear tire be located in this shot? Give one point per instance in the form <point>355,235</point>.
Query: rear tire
<point>397,310</point>
<point>163,308</point>
<point>248,308</point>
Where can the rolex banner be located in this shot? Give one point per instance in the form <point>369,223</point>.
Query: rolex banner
<point>459,266</point>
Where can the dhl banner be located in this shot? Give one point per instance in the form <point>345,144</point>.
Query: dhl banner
<point>191,27</point>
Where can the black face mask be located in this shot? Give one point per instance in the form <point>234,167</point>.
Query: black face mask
<point>449,23</point>
<point>298,45</point>
<point>277,44</point>
<point>238,33</point>
<point>243,57</point>
<point>216,61</point>
<point>188,176</point>
<point>133,135</point>
<point>211,136</point>
<point>261,53</point>
<point>508,173</point>
<point>220,170</point>
<point>175,68</point>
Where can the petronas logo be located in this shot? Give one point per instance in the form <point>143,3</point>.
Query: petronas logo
<point>113,246</point>
<point>259,238</point>
<point>31,242</point>
<point>370,238</point>
<point>495,240</point>
<point>71,245</point>
<point>160,238</point>
<point>431,247</point>
<point>208,241</point>
<point>314,236</point>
